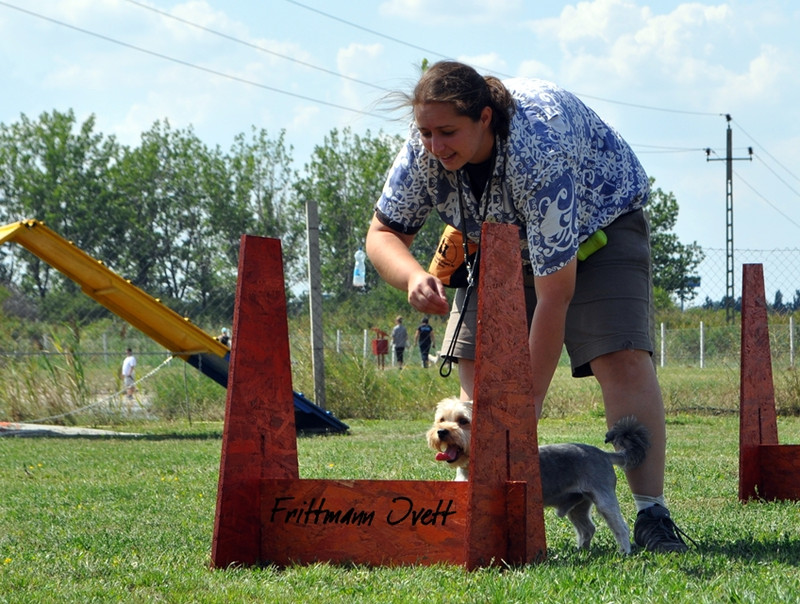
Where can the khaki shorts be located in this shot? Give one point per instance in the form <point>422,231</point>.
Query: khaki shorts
<point>612,308</point>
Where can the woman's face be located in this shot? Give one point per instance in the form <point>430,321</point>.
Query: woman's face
<point>455,140</point>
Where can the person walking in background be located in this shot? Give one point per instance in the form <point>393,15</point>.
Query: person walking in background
<point>129,375</point>
<point>399,340</point>
<point>425,339</point>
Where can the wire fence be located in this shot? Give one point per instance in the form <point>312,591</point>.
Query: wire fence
<point>92,355</point>
<point>59,383</point>
<point>696,346</point>
<point>781,276</point>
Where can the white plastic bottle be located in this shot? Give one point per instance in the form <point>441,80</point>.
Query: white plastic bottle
<point>360,270</point>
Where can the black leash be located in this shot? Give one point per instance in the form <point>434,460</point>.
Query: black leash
<point>447,360</point>
<point>446,367</point>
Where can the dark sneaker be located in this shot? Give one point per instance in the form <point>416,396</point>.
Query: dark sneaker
<point>655,531</point>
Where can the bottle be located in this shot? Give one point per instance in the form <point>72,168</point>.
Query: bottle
<point>360,270</point>
<point>597,240</point>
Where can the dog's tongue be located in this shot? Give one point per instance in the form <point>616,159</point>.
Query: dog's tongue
<point>449,455</point>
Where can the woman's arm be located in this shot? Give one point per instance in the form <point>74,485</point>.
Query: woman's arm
<point>546,339</point>
<point>389,253</point>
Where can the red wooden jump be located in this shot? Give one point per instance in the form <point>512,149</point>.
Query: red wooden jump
<point>767,469</point>
<point>267,515</point>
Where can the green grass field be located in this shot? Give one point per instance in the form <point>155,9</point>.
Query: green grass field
<point>131,520</point>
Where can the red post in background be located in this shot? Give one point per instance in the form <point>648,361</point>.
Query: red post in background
<point>767,469</point>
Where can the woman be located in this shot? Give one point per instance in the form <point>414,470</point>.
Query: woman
<point>528,153</point>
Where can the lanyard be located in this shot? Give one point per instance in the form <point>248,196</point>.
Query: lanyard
<point>446,367</point>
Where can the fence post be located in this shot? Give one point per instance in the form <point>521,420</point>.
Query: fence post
<point>791,342</point>
<point>663,346</point>
<point>365,343</point>
<point>702,345</point>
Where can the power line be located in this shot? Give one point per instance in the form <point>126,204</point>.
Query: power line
<point>506,75</point>
<point>772,157</point>
<point>309,65</point>
<point>381,35</point>
<point>366,29</point>
<point>254,46</point>
<point>655,149</point>
<point>186,63</point>
<point>759,193</point>
<point>649,107</point>
<point>767,201</point>
<point>788,186</point>
<point>664,149</point>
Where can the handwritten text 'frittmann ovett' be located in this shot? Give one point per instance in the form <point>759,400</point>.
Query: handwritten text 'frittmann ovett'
<point>401,511</point>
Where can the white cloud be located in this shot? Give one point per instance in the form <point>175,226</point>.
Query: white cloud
<point>485,63</point>
<point>671,37</point>
<point>535,69</point>
<point>353,59</point>
<point>303,117</point>
<point>201,13</point>
<point>761,80</point>
<point>601,20</point>
<point>363,62</point>
<point>443,11</point>
<point>609,44</point>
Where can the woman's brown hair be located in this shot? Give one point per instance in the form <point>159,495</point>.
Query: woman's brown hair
<point>468,92</point>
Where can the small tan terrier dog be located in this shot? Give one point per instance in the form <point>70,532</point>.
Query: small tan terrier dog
<point>450,434</point>
<point>574,476</point>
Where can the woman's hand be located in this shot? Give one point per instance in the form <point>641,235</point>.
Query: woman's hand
<point>426,294</point>
<point>388,251</point>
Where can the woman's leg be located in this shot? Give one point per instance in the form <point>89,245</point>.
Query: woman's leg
<point>630,387</point>
<point>466,375</point>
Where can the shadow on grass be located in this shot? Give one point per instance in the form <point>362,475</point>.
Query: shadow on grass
<point>785,550</point>
<point>60,432</point>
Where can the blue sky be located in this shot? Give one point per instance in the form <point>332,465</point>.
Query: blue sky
<point>664,73</point>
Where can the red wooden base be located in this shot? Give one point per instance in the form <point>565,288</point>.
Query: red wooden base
<point>767,470</point>
<point>266,514</point>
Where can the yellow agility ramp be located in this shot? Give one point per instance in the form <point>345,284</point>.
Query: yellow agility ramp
<point>147,314</point>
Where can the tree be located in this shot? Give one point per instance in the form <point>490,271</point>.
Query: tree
<point>57,171</point>
<point>261,179</point>
<point>345,177</point>
<point>674,263</point>
<point>779,305</point>
<point>165,237</point>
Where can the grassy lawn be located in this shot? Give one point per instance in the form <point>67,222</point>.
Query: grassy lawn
<point>115,520</point>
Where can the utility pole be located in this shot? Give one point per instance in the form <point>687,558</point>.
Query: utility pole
<point>729,299</point>
<point>315,303</point>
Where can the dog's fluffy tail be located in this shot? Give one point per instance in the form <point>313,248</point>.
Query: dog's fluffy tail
<point>631,440</point>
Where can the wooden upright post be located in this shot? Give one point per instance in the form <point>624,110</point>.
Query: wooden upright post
<point>256,442</point>
<point>504,446</point>
<point>767,469</point>
<point>266,514</point>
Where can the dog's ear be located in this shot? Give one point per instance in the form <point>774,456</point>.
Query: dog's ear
<point>468,405</point>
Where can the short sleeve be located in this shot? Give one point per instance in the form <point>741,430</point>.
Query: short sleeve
<point>405,201</point>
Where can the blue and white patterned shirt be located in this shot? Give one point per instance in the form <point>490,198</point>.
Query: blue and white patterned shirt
<point>561,175</point>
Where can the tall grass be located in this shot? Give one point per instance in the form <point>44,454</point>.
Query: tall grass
<point>77,386</point>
